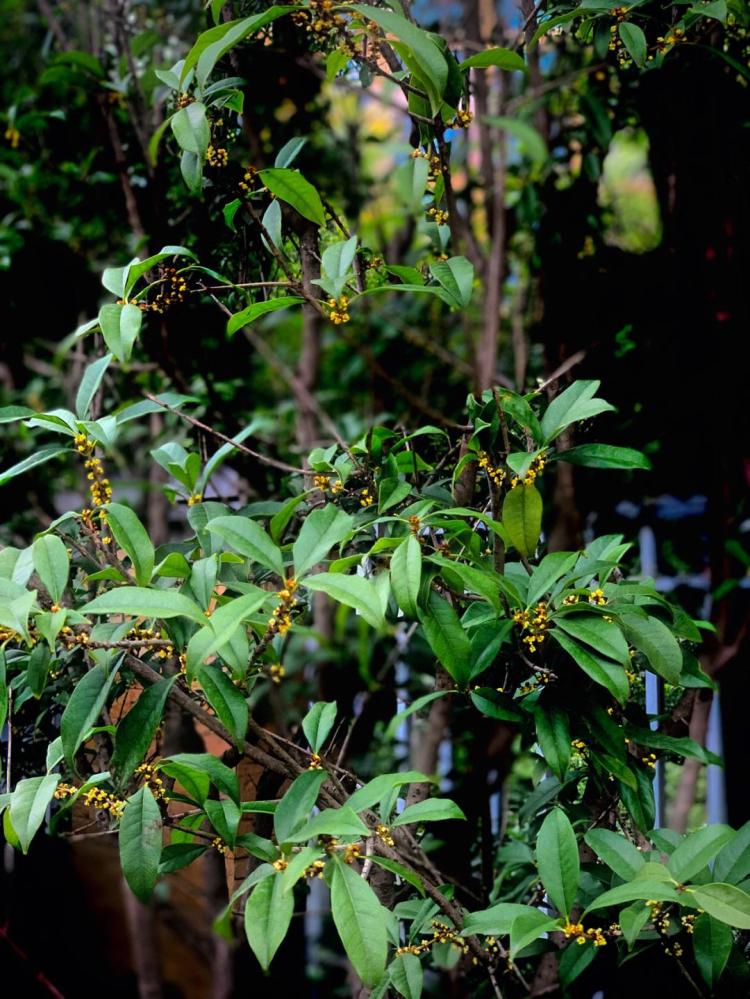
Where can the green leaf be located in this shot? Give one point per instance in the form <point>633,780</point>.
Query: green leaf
<point>258,309</point>
<point>495,921</point>
<point>51,564</point>
<point>375,790</point>
<point>504,58</point>
<point>213,44</point>
<point>604,456</point>
<point>406,575</point>
<point>697,850</point>
<point>294,808</point>
<point>617,852</point>
<point>416,705</point>
<point>429,810</point>
<point>250,540</point>
<point>336,263</point>
<point>28,806</point>
<point>141,843</point>
<point>557,860</point>
<point>733,862</point>
<point>191,129</point>
<point>575,403</point>
<point>528,927</point>
<point>574,960</point>
<point>132,537</point>
<point>224,623</point>
<point>120,326</point>
<point>602,671</point>
<point>446,637</point>
<point>39,457</point>
<point>353,591</point>
<point>603,636</point>
<point>632,920</point>
<point>634,41</point>
<point>361,923</point>
<point>403,872</point>
<point>495,704</point>
<point>176,856</point>
<point>456,275</point>
<point>546,574</point>
<point>139,601</point>
<point>522,518</point>
<point>426,54</point>
<point>654,639</point>
<point>322,529</point>
<point>553,735</point>
<point>343,822</point>
<point>226,700</point>
<point>84,707</point>
<point>712,945</point>
<point>224,815</point>
<point>3,689</point>
<point>318,723</point>
<point>89,386</point>
<point>195,766</point>
<point>639,889</point>
<point>406,975</point>
<point>137,729</point>
<point>724,902</point>
<point>291,187</point>
<point>11,414</point>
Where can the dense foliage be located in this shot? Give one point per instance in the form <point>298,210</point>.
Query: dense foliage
<point>334,599</point>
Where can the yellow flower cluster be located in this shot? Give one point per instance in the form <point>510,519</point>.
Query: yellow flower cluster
<point>649,760</point>
<point>366,497</point>
<point>150,775</point>
<point>281,619</point>
<point>248,180</point>
<point>70,639</point>
<point>13,136</point>
<point>315,870</point>
<point>217,156</point>
<point>352,852</point>
<point>433,160</point>
<point>276,673</point>
<point>95,797</point>
<point>659,917</point>
<point>594,933</point>
<point>195,498</point>
<point>383,833</point>
<point>597,597</point>
<point>320,20</point>
<point>218,844</point>
<point>280,865</point>
<point>535,468</point>
<point>494,472</point>
<point>463,119</point>
<point>315,762</point>
<point>183,100</point>
<point>535,623</point>
<point>438,215</point>
<point>173,291</point>
<point>338,310</point>
<point>326,484</point>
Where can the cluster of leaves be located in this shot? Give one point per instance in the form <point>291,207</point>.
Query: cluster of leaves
<point>549,645</point>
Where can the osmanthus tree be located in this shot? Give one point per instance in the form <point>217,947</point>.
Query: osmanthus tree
<point>427,543</point>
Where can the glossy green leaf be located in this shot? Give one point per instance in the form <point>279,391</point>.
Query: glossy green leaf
<point>28,806</point>
<point>318,722</point>
<point>406,975</point>
<point>249,539</point>
<point>726,903</point>
<point>294,808</point>
<point>191,129</point>
<point>604,456</point>
<point>52,564</point>
<point>224,623</point>
<point>557,860</point>
<point>139,601</point>
<point>553,736</point>
<point>632,919</point>
<point>375,790</point>
<point>639,889</point>
<point>83,709</point>
<point>406,575</point>
<point>361,923</point>
<point>575,403</point>
<point>616,851</point>
<point>321,530</point>
<point>291,187</point>
<point>522,518</point>
<point>604,637</point>
<point>92,379</point>
<point>528,927</point>
<point>429,810</point>
<point>634,41</point>
<point>137,729</point>
<point>268,913</point>
<point>353,591</point>
<point>339,822</point>
<point>39,457</point>
<point>733,861</point>
<point>140,843</point>
<point>654,639</point>
<point>258,309</point>
<point>712,945</point>
<point>132,537</point>
<point>602,671</point>
<point>446,637</point>
<point>456,275</point>
<point>696,850</point>
<point>227,701</point>
<point>120,326</point>
<point>503,58</point>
